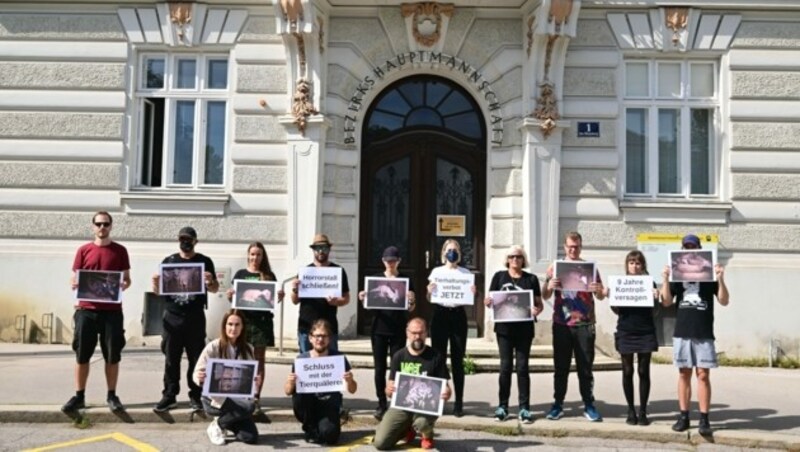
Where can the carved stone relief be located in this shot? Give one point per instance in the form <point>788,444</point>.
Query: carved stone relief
<point>302,107</point>
<point>676,20</point>
<point>559,12</point>
<point>531,21</point>
<point>180,14</point>
<point>292,12</point>
<point>427,20</point>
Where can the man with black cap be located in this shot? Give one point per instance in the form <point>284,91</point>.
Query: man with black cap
<point>388,328</point>
<point>693,339</point>
<point>184,325</point>
<point>313,309</point>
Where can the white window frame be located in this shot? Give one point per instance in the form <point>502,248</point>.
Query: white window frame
<point>201,96</point>
<point>685,103</point>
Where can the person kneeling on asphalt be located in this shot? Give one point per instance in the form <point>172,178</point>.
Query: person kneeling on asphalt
<point>416,359</point>
<point>233,414</point>
<point>319,412</point>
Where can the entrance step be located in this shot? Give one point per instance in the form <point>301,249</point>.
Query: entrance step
<point>482,352</point>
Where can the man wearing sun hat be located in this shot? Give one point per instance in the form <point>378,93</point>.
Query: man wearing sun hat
<point>693,339</point>
<point>313,309</point>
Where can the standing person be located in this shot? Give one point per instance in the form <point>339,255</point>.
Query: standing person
<point>636,334</point>
<point>573,333</point>
<point>415,359</point>
<point>319,412</point>
<point>514,339</point>
<point>449,323</point>
<point>184,325</point>
<point>693,339</point>
<point>388,328</point>
<point>313,309</point>
<point>231,414</point>
<point>98,319</point>
<point>259,325</point>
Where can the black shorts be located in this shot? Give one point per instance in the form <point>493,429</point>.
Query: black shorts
<point>90,324</point>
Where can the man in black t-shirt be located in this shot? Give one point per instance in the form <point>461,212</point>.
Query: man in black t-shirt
<point>416,359</point>
<point>693,339</point>
<point>184,325</point>
<point>313,309</point>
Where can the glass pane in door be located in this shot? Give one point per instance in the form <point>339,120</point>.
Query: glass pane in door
<point>390,209</point>
<point>454,196</point>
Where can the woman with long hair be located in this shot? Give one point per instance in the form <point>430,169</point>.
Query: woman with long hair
<point>231,414</point>
<point>449,323</point>
<point>636,334</point>
<point>260,330</point>
<point>514,339</point>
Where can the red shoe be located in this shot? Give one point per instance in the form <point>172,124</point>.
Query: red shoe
<point>427,443</point>
<point>410,435</point>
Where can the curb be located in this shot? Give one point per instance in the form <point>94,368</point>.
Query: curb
<point>659,433</point>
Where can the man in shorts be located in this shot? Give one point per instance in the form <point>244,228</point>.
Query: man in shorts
<point>98,319</point>
<point>693,339</point>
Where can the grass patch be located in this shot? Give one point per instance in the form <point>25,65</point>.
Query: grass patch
<point>82,423</point>
<point>727,361</point>
<point>503,431</point>
<point>470,367</point>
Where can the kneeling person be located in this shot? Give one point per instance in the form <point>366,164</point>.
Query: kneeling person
<point>416,359</point>
<point>319,412</point>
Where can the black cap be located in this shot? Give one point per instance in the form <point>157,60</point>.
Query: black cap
<point>187,231</point>
<point>691,239</point>
<point>391,254</point>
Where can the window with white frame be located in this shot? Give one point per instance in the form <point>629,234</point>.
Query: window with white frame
<point>671,108</point>
<point>183,112</point>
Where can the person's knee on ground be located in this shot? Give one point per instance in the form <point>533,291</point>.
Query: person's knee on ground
<point>424,426</point>
<point>248,434</point>
<point>328,431</point>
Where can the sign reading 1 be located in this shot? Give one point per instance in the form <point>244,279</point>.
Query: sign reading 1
<point>588,130</point>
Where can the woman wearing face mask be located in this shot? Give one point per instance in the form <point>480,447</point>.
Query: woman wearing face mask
<point>260,329</point>
<point>449,323</point>
<point>236,414</point>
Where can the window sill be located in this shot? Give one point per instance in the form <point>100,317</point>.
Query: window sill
<point>675,211</point>
<point>163,202</point>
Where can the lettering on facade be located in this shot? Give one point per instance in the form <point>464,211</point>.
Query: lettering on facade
<point>434,59</point>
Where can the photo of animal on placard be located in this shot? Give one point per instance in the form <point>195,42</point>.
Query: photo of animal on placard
<point>230,378</point>
<point>419,394</point>
<point>182,279</point>
<point>575,275</point>
<point>692,265</point>
<point>99,286</point>
<point>512,306</point>
<point>386,293</point>
<point>254,295</point>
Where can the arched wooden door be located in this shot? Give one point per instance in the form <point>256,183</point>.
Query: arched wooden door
<point>423,155</point>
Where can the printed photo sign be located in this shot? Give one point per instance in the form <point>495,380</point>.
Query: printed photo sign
<point>386,293</point>
<point>99,286</point>
<point>254,295</point>
<point>182,279</point>
<point>512,306</point>
<point>230,378</point>
<point>418,394</point>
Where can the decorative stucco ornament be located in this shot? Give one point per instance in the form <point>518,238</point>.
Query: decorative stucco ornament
<point>292,11</point>
<point>180,14</point>
<point>676,19</point>
<point>559,12</point>
<point>302,107</point>
<point>427,20</point>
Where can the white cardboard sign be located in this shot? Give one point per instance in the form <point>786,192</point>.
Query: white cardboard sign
<point>630,291</point>
<point>322,374</point>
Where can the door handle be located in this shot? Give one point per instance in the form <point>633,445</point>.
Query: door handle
<point>427,260</point>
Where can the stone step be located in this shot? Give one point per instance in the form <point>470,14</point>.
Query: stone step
<point>476,348</point>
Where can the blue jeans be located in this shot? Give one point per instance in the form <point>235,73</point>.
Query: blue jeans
<point>305,343</point>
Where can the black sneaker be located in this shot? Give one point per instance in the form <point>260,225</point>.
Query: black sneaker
<point>704,428</point>
<point>643,420</point>
<point>632,419</point>
<point>165,404</point>
<point>379,412</point>
<point>73,404</point>
<point>681,425</point>
<point>114,404</point>
<point>195,404</point>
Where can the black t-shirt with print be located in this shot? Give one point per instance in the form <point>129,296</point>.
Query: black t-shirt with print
<point>695,301</point>
<point>429,363</point>
<point>502,280</point>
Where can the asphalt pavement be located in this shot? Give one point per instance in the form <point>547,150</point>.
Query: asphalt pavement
<point>751,407</point>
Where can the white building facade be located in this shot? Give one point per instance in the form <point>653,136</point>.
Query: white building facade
<point>366,120</point>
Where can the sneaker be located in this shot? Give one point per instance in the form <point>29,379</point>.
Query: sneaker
<point>74,404</point>
<point>165,404</point>
<point>379,412</point>
<point>525,416</point>
<point>195,404</point>
<point>114,404</point>
<point>458,410</point>
<point>643,420</point>
<point>704,428</point>
<point>632,419</point>
<point>555,413</point>
<point>215,433</point>
<point>681,425</point>
<point>590,412</point>
<point>427,443</point>
<point>410,435</point>
<point>500,414</point>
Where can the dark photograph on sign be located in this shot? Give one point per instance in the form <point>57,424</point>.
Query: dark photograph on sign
<point>99,286</point>
<point>386,293</point>
<point>692,265</point>
<point>230,378</point>
<point>254,295</point>
<point>419,394</point>
<point>512,306</point>
<point>575,275</point>
<point>182,279</point>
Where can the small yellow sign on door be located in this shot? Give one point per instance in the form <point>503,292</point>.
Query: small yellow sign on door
<point>451,225</point>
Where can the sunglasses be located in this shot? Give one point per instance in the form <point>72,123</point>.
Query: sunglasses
<point>103,224</point>
<point>321,248</point>
<point>515,256</point>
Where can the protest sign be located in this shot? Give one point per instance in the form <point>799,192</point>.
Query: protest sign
<point>323,374</point>
<point>453,289</point>
<point>419,394</point>
<point>630,291</point>
<point>230,378</point>
<point>320,282</point>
